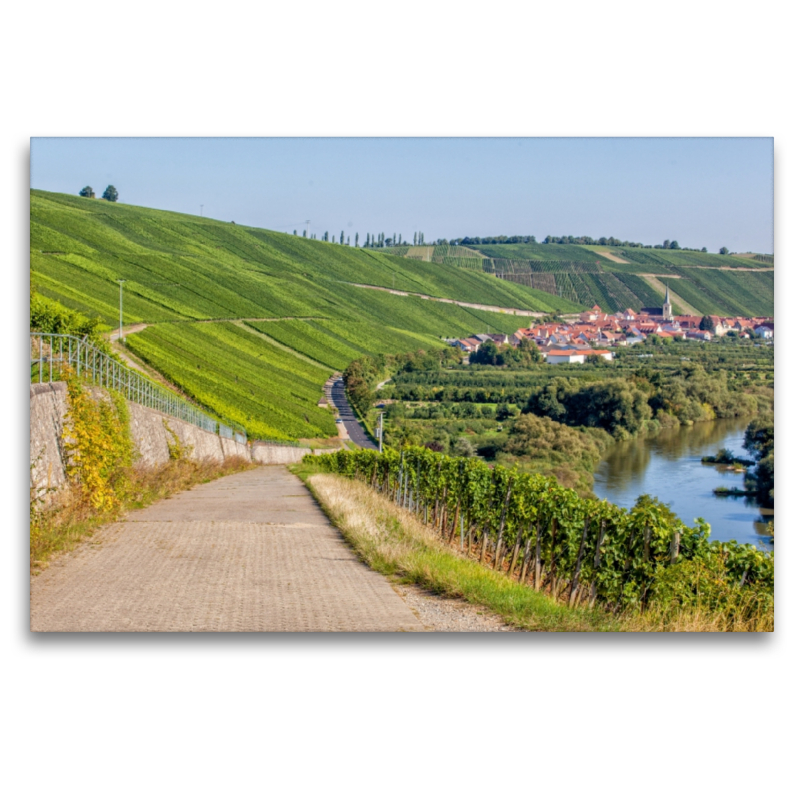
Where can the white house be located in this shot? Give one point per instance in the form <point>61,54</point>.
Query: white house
<point>765,331</point>
<point>576,356</point>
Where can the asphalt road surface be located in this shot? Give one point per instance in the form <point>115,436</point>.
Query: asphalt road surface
<point>354,428</point>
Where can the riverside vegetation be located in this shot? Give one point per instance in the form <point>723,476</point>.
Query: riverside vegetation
<point>557,420</point>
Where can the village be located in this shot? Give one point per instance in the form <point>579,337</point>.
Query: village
<point>573,341</point>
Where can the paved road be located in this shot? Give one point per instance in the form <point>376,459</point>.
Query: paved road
<point>248,552</point>
<point>354,428</point>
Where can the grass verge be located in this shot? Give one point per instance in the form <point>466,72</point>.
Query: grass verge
<point>393,542</point>
<point>61,526</point>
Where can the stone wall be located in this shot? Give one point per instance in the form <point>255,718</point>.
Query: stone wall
<point>148,431</point>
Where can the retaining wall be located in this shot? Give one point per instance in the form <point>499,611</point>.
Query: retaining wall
<point>148,431</point>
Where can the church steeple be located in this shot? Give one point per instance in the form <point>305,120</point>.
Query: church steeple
<point>666,311</point>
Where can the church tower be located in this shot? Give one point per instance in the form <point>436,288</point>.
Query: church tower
<point>666,310</point>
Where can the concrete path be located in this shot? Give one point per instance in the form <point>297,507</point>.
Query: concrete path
<point>248,552</point>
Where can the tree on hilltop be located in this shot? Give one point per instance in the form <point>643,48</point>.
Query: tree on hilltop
<point>723,251</point>
<point>87,191</point>
<point>110,194</point>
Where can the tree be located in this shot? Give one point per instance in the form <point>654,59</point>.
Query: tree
<point>348,241</point>
<point>486,354</point>
<point>704,250</point>
<point>294,232</point>
<point>356,240</point>
<point>723,251</point>
<point>464,448</point>
<point>87,191</point>
<point>707,324</point>
<point>665,246</point>
<point>341,238</point>
<point>110,194</point>
<point>674,246</point>
<point>325,236</point>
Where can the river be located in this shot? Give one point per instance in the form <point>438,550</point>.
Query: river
<point>667,466</point>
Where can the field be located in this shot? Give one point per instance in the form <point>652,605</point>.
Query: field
<point>179,270</point>
<point>584,275</point>
<point>232,371</point>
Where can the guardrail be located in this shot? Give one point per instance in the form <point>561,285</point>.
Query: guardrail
<point>52,352</point>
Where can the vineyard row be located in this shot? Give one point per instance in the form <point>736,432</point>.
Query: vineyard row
<point>536,531</point>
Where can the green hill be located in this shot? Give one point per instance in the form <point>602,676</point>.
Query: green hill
<point>620,277</point>
<point>251,322</point>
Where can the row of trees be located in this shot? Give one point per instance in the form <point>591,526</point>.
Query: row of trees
<point>604,241</point>
<point>382,240</point>
<point>468,240</point>
<point>109,194</point>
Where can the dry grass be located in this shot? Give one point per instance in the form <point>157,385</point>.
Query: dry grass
<point>69,519</point>
<point>393,542</point>
<point>698,620</point>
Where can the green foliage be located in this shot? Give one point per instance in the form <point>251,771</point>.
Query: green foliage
<point>540,445</point>
<point>759,440</point>
<point>617,406</point>
<point>574,548</point>
<point>50,316</point>
<point>110,194</point>
<point>87,191</point>
<point>97,445</point>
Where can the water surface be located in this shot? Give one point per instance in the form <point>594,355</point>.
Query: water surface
<point>667,466</point>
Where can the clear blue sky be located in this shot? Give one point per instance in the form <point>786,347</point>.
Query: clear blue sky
<point>701,191</point>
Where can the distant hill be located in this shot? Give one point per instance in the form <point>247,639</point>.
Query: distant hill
<point>620,277</point>
<point>251,322</point>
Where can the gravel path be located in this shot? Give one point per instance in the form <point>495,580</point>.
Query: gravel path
<point>444,614</point>
<point>248,552</point>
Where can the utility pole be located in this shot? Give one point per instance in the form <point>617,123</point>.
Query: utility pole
<point>120,281</point>
<point>380,435</point>
<point>308,229</point>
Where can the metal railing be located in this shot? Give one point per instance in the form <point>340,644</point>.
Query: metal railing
<point>51,353</point>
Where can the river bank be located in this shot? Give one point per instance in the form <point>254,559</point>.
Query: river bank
<point>669,466</point>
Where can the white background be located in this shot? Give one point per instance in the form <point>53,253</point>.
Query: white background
<point>400,716</point>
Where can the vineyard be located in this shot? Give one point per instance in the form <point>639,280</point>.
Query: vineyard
<point>584,276</point>
<point>711,291</point>
<point>580,551</point>
<point>181,267</point>
<point>180,270</point>
<point>233,372</point>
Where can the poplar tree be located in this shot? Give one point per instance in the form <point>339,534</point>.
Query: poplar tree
<point>356,239</point>
<point>341,238</point>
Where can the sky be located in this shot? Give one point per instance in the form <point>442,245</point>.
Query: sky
<point>702,192</point>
